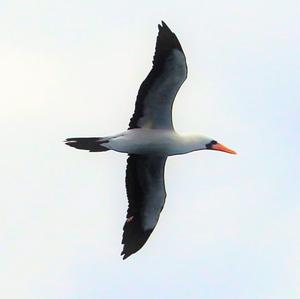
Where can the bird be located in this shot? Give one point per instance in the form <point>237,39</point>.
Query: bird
<point>149,140</point>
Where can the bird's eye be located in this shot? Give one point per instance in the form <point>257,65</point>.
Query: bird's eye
<point>209,145</point>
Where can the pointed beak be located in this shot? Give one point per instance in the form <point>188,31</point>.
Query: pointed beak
<point>222,148</point>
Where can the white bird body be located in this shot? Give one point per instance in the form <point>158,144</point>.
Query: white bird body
<point>155,142</point>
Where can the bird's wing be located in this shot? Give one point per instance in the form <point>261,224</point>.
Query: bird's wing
<point>146,196</point>
<point>153,107</point>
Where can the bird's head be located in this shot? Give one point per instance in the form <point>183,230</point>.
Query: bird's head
<point>216,146</point>
<point>207,143</point>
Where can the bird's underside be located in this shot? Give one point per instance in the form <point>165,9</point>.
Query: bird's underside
<point>153,111</point>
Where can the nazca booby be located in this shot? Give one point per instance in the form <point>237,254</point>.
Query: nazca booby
<point>149,140</point>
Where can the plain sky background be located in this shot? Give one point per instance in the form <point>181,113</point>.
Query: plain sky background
<point>231,226</point>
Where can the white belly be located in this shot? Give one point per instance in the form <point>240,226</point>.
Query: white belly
<point>147,141</point>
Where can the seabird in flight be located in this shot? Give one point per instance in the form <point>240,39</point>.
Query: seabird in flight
<point>149,140</point>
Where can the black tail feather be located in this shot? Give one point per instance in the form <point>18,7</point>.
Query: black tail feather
<point>92,144</point>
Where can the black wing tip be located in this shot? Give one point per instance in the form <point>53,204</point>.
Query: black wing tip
<point>125,255</point>
<point>134,237</point>
<point>166,38</point>
<point>164,26</point>
<point>126,252</point>
<point>133,243</point>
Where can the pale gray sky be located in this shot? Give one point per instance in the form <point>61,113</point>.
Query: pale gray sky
<point>231,224</point>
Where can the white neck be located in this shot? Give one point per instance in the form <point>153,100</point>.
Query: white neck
<point>190,143</point>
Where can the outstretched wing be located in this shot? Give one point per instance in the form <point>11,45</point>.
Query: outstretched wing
<point>146,196</point>
<point>153,107</point>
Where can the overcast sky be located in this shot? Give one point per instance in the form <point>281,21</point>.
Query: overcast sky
<point>230,228</point>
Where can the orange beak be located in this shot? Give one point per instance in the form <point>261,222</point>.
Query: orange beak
<point>222,148</point>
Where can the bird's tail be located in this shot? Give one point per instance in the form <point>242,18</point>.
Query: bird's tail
<point>92,144</point>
